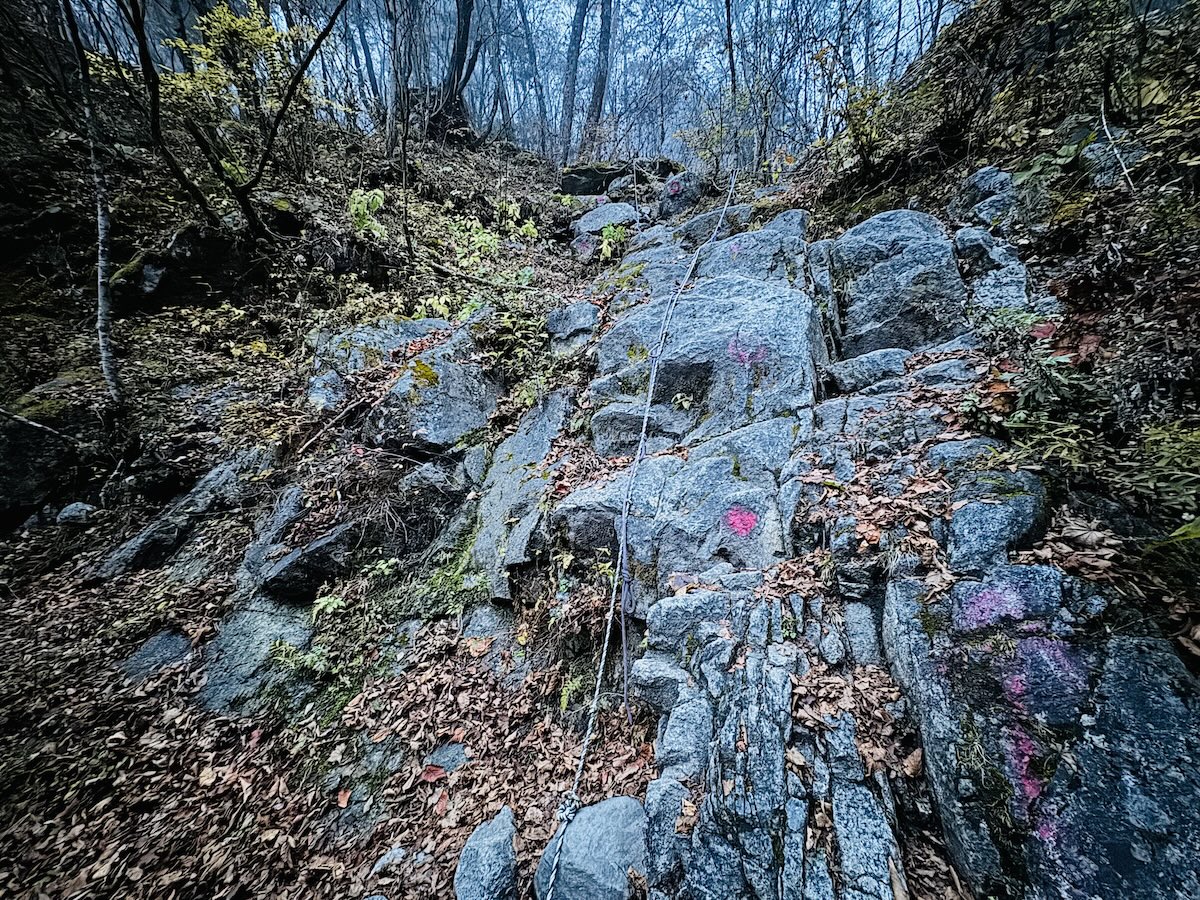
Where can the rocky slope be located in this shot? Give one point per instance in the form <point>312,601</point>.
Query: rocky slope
<point>863,688</point>
<point>811,518</point>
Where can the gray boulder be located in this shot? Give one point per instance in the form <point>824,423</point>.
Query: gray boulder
<point>1100,158</point>
<point>899,283</point>
<point>338,354</point>
<point>767,255</point>
<point>238,661</point>
<point>75,514</point>
<point>157,652</point>
<point>988,196</point>
<point>604,215</point>
<point>1124,819</point>
<point>439,398</point>
<point>511,512</point>
<point>219,489</point>
<point>792,222</point>
<point>1000,511</point>
<point>858,372</point>
<point>715,225</point>
<point>487,866</point>
<point>297,575</point>
<point>599,847</point>
<point>680,193</point>
<point>570,327</point>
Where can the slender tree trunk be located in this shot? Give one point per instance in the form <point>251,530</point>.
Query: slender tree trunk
<point>568,106</point>
<point>108,363</point>
<point>534,76</point>
<point>729,49</point>
<point>600,83</point>
<point>135,17</point>
<point>368,61</point>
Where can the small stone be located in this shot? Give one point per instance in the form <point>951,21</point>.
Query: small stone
<point>75,514</point>
<point>487,866</point>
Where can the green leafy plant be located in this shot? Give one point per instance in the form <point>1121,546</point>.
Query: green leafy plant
<point>363,206</point>
<point>612,240</point>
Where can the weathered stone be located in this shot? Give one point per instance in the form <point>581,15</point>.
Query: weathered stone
<point>1124,819</point>
<point>899,283</point>
<point>238,662</point>
<point>715,225</point>
<point>511,516</point>
<point>572,326</point>
<point>75,514</point>
<point>487,866</point>
<point>658,679</point>
<point>1001,511</point>
<point>1008,594</point>
<point>337,354</point>
<point>792,222</point>
<point>862,633</point>
<point>866,844</point>
<point>298,575</point>
<point>166,648</point>
<point>910,630</point>
<point>1106,161</point>
<point>599,847</point>
<point>440,397</point>
<point>616,215</point>
<point>862,371</point>
<point>680,193</point>
<point>218,489</point>
<point>988,196</point>
<point>955,456</point>
<point>664,845</point>
<point>767,255</point>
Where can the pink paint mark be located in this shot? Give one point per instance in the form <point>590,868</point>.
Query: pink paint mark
<point>741,521</point>
<point>1015,689</point>
<point>989,606</point>
<point>745,354</point>
<point>1021,754</point>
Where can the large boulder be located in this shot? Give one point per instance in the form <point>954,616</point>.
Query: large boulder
<point>218,489</point>
<point>599,847</point>
<point>1123,818</point>
<point>898,282</point>
<point>487,866</point>
<point>511,511</point>
<point>987,196</point>
<point>680,193</point>
<point>338,354</point>
<point>440,397</point>
<point>604,215</point>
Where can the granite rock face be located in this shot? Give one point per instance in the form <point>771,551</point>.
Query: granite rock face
<point>1061,761</point>
<point>899,284</point>
<point>487,866</point>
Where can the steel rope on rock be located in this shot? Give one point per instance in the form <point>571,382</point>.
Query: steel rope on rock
<point>622,580</point>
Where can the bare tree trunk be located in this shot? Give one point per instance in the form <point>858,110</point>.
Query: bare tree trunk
<point>600,84</point>
<point>568,106</point>
<point>108,363</point>
<point>135,17</point>
<point>368,64</point>
<point>534,76</point>
<point>729,48</point>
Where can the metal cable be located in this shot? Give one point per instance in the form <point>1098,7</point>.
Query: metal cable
<point>622,580</point>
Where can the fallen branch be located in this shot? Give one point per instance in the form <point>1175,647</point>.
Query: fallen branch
<point>65,438</point>
<point>1112,143</point>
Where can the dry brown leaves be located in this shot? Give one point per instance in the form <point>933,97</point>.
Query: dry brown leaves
<point>1079,546</point>
<point>822,694</point>
<point>520,754</point>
